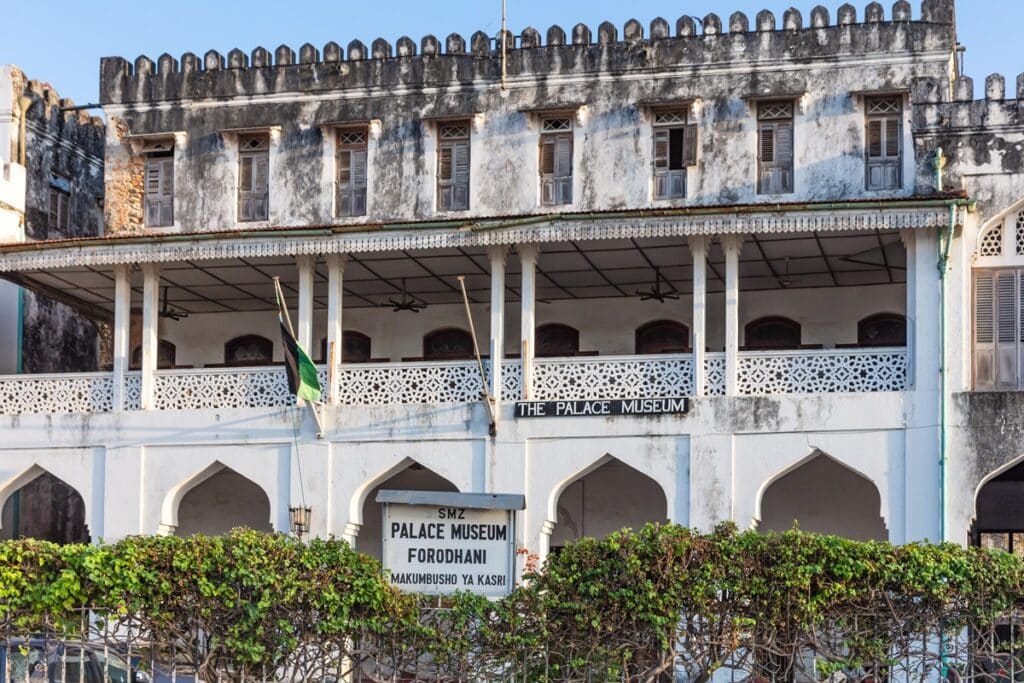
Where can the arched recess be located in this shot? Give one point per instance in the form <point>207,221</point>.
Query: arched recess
<point>822,495</point>
<point>661,336</point>
<point>448,343</point>
<point>214,501</point>
<point>557,340</point>
<point>249,349</point>
<point>37,504</point>
<point>772,333</point>
<point>606,496</point>
<point>408,475</point>
<point>999,510</point>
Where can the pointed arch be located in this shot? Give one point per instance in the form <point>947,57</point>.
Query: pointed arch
<point>836,499</point>
<point>601,498</point>
<point>77,504</point>
<point>171,507</point>
<point>1003,469</point>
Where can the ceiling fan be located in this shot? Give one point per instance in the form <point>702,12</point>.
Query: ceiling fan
<point>167,312</point>
<point>406,303</point>
<point>656,292</point>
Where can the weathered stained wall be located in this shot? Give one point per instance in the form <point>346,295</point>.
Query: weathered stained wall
<point>609,83</point>
<point>69,143</point>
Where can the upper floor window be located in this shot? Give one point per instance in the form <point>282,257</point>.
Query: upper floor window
<point>882,329</point>
<point>775,148</point>
<point>449,343</point>
<point>772,334</point>
<point>884,125</point>
<point>555,339</point>
<point>998,328</point>
<point>556,161</point>
<point>662,336</point>
<point>675,149</point>
<point>60,202</point>
<point>253,177</point>
<point>159,189</point>
<point>453,167</point>
<point>166,356</point>
<point>250,349</point>
<point>351,165</point>
<point>355,347</point>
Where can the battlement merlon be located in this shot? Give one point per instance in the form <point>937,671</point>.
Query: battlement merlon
<point>579,51</point>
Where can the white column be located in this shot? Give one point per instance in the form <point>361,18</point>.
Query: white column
<point>732,245</point>
<point>122,330</point>
<point>150,332</point>
<point>527,328</point>
<point>907,237</point>
<point>335,329</point>
<point>497,255</point>
<point>304,324</point>
<point>699,251</point>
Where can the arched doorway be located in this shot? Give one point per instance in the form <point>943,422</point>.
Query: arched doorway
<point>47,509</point>
<point>221,502</point>
<point>415,477</point>
<point>823,496</point>
<point>1000,512</point>
<point>614,496</point>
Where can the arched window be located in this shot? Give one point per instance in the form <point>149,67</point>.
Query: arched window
<point>166,355</point>
<point>555,339</point>
<point>662,336</point>
<point>772,334</point>
<point>355,347</point>
<point>448,343</point>
<point>249,349</point>
<point>998,293</point>
<point>882,329</point>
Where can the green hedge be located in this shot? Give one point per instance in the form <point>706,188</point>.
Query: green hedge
<point>629,607</point>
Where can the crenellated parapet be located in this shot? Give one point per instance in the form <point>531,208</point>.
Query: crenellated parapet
<point>1002,105</point>
<point>689,42</point>
<point>57,116</point>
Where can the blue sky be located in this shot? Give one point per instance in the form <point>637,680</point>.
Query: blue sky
<point>61,41</point>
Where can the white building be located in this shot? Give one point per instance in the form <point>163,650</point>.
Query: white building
<point>749,216</point>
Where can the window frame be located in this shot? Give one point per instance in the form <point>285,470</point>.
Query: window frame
<point>453,138</point>
<point>772,320</point>
<point>250,153</point>
<point>355,143</point>
<point>58,215</point>
<point>232,345</point>
<point>163,199</point>
<point>640,342</point>
<point>997,334</point>
<point>671,183</point>
<point>771,118</point>
<point>557,131</point>
<point>888,116</point>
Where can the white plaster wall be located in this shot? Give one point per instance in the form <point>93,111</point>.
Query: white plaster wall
<point>827,316</point>
<point>10,344</point>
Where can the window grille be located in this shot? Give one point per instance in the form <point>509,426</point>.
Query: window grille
<point>253,178</point>
<point>992,242</point>
<point>1020,234</point>
<point>556,149</point>
<point>675,150</point>
<point>159,202</point>
<point>351,181</point>
<point>884,129</point>
<point>453,167</point>
<point>775,148</point>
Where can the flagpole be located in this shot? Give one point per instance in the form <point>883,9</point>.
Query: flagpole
<point>486,395</point>
<point>281,306</point>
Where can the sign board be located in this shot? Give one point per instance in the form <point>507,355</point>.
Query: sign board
<point>597,408</point>
<point>439,543</point>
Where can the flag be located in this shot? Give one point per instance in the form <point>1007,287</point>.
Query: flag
<point>302,377</point>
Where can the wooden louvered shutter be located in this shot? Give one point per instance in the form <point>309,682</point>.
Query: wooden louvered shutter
<point>344,169</point>
<point>563,169</point>
<point>359,182</point>
<point>1007,335</point>
<point>874,135</point>
<point>984,331</point>
<point>547,170</point>
<point>776,162</point>
<point>662,184</point>
<point>892,138</point>
<point>460,175</point>
<point>53,217</point>
<point>690,145</point>
<point>260,186</point>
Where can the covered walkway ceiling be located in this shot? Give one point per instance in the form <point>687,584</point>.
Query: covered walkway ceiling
<point>566,270</point>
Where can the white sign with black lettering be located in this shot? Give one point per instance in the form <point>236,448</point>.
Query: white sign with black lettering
<point>439,550</point>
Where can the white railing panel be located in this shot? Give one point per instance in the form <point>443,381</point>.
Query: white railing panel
<point>214,388</point>
<point>714,374</point>
<point>401,383</point>
<point>668,376</point>
<point>834,371</point>
<point>86,392</point>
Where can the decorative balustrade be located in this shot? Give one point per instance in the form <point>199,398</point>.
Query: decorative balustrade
<point>759,373</point>
<point>668,376</point>
<point>822,372</point>
<point>91,392</point>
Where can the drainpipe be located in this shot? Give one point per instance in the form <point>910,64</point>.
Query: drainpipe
<point>944,244</point>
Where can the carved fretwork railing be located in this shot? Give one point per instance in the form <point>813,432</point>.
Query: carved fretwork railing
<point>761,373</point>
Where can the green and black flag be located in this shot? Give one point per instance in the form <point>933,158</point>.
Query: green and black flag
<point>302,377</point>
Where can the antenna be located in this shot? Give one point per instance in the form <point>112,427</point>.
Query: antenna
<point>504,45</point>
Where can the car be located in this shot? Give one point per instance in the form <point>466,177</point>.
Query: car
<point>57,661</point>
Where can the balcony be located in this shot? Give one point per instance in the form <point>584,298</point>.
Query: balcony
<point>370,384</point>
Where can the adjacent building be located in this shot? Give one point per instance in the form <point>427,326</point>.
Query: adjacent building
<point>804,224</point>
